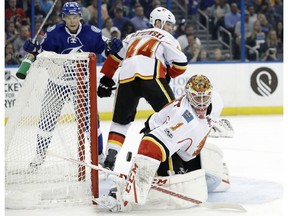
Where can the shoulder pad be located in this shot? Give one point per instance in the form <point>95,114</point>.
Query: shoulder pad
<point>51,28</point>
<point>95,29</point>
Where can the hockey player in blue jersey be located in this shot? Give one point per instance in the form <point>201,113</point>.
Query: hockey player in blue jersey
<point>71,36</point>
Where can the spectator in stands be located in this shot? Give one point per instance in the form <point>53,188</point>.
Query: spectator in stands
<point>10,58</point>
<point>127,29</point>
<point>279,31</point>
<point>11,32</point>
<point>279,8</point>
<point>216,13</point>
<point>57,12</point>
<point>203,56</point>
<point>217,55</point>
<point>39,13</point>
<point>115,32</point>
<point>106,31</point>
<point>254,40</point>
<point>13,11</point>
<point>20,40</point>
<point>180,30</point>
<point>259,5</point>
<point>237,34</point>
<point>193,49</point>
<point>17,20</point>
<point>183,40</point>
<point>252,14</point>
<point>265,26</point>
<point>93,9</point>
<point>24,4</point>
<point>231,18</point>
<point>271,16</point>
<point>203,6</point>
<point>139,20</point>
<point>149,5</point>
<point>112,5</point>
<point>45,5</point>
<point>248,26</point>
<point>119,20</point>
<point>271,48</point>
<point>86,16</point>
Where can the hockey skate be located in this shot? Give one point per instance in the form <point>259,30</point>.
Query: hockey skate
<point>113,201</point>
<point>109,162</point>
<point>38,159</point>
<point>101,159</point>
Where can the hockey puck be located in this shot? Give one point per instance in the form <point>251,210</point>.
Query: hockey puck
<point>129,156</point>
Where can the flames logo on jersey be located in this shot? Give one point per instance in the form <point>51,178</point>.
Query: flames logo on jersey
<point>173,128</point>
<point>200,146</point>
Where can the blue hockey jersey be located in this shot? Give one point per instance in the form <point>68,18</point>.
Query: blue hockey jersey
<point>87,39</point>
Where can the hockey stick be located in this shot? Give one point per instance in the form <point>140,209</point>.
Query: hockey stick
<point>44,21</point>
<point>209,205</point>
<point>29,58</point>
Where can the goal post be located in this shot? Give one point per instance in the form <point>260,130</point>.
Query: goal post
<point>55,112</point>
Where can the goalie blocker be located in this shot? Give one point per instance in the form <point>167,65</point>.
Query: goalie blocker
<point>210,176</point>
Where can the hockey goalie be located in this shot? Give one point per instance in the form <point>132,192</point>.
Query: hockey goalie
<point>173,153</point>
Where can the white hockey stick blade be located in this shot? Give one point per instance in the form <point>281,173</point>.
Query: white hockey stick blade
<point>210,205</point>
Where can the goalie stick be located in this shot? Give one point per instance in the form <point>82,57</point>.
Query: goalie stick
<point>214,205</point>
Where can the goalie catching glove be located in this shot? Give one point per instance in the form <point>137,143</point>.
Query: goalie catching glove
<point>105,87</point>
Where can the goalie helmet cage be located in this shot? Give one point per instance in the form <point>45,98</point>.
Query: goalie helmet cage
<point>60,88</point>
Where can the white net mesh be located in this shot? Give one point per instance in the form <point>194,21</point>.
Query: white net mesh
<point>51,115</point>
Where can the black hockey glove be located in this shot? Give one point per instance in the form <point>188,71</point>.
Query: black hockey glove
<point>146,128</point>
<point>105,87</point>
<point>31,47</point>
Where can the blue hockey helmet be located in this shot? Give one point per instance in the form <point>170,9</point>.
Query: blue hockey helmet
<point>71,8</point>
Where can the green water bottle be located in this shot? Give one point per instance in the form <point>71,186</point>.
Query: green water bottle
<point>25,65</point>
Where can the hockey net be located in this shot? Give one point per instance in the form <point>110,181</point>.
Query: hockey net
<point>61,89</point>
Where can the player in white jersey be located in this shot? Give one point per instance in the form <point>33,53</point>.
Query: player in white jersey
<point>147,58</point>
<point>181,129</point>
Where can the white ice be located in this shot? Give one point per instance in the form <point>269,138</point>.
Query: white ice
<point>255,153</point>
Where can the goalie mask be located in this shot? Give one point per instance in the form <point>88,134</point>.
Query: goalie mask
<point>162,14</point>
<point>198,92</point>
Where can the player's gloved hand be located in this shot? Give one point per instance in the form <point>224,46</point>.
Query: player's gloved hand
<point>31,47</point>
<point>146,128</point>
<point>105,87</point>
<point>114,45</point>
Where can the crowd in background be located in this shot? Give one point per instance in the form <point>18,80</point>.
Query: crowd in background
<point>263,25</point>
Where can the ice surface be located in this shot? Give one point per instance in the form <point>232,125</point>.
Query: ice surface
<point>255,160</point>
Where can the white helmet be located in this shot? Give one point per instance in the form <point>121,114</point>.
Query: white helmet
<point>198,91</point>
<point>162,14</point>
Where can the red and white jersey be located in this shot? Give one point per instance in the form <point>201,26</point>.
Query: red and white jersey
<point>146,54</point>
<point>178,127</point>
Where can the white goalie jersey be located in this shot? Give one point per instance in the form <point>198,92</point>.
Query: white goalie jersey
<point>178,127</point>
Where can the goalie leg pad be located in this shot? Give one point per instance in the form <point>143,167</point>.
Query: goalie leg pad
<point>217,175</point>
<point>140,179</point>
<point>192,184</point>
